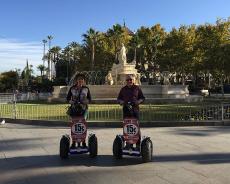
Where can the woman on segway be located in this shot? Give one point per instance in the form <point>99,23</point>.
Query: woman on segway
<point>131,95</point>
<point>79,97</point>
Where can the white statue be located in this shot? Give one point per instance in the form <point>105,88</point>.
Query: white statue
<point>122,55</point>
<point>166,75</point>
<point>109,79</point>
<point>133,62</point>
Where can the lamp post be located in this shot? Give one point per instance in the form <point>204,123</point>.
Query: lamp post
<point>135,49</point>
<point>146,67</point>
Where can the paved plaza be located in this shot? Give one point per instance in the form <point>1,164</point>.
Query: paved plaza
<point>182,155</point>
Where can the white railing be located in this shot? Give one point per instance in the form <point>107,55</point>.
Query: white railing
<point>113,112</point>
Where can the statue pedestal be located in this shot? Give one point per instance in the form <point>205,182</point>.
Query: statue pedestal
<point>120,71</point>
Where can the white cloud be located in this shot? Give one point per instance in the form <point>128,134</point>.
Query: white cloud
<point>14,53</point>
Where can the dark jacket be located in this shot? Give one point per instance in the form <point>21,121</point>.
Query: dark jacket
<point>131,94</point>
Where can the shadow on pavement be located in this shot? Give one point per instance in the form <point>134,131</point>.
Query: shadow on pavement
<point>209,158</point>
<point>50,168</point>
<point>94,176</point>
<point>22,143</point>
<point>46,161</point>
<point>206,131</point>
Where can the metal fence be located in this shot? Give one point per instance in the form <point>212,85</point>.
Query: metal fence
<point>10,97</point>
<point>113,112</point>
<point>6,97</point>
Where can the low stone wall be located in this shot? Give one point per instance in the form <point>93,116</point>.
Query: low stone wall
<point>108,93</point>
<point>165,91</point>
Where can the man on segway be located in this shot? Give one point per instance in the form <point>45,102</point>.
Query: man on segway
<point>130,96</point>
<point>79,97</point>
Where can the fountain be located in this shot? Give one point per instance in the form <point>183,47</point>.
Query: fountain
<point>115,79</point>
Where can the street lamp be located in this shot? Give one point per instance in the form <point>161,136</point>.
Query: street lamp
<point>135,49</point>
<point>146,66</point>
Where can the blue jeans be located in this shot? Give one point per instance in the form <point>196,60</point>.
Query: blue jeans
<point>85,115</point>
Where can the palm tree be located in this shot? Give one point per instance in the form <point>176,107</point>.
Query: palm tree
<point>49,39</point>
<point>56,52</point>
<point>90,39</point>
<point>115,34</point>
<point>41,68</point>
<point>75,49</point>
<point>44,51</point>
<point>49,61</point>
<point>66,56</point>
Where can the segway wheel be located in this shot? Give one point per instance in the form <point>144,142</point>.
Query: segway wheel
<point>64,147</point>
<point>117,148</point>
<point>146,150</point>
<point>92,142</point>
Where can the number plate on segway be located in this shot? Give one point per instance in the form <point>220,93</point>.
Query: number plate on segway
<point>131,130</point>
<point>78,129</point>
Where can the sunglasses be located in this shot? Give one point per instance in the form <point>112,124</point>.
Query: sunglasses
<point>129,79</point>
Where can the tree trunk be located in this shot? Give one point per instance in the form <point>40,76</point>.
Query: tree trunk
<point>116,58</point>
<point>92,57</point>
<point>222,85</point>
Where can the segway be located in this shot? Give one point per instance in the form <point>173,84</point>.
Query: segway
<point>124,144</point>
<point>78,126</point>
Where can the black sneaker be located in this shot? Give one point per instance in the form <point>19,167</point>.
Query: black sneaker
<point>73,146</point>
<point>137,148</point>
<point>84,145</point>
<point>126,147</point>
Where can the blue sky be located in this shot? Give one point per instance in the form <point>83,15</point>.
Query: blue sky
<point>24,23</point>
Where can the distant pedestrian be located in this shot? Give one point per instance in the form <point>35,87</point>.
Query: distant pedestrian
<point>2,121</point>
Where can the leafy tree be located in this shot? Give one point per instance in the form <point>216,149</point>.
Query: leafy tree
<point>178,50</point>
<point>8,81</point>
<point>187,51</point>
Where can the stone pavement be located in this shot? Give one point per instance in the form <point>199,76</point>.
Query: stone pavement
<point>182,155</point>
